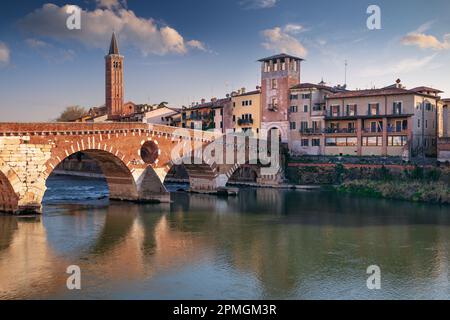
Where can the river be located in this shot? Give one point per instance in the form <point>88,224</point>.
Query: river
<point>262,244</point>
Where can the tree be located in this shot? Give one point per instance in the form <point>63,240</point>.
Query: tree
<point>72,113</point>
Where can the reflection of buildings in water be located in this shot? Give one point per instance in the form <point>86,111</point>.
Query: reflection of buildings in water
<point>28,267</point>
<point>186,202</point>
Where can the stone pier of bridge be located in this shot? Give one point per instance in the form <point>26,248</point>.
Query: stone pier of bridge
<point>134,158</point>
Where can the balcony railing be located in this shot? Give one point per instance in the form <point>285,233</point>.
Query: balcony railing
<point>311,131</point>
<point>340,130</point>
<point>243,122</point>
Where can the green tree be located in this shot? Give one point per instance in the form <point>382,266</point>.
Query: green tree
<point>72,113</point>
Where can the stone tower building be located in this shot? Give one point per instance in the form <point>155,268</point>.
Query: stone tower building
<point>114,81</point>
<point>278,74</point>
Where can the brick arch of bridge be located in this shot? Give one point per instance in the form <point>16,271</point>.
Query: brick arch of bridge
<point>235,168</point>
<point>10,188</point>
<point>38,148</point>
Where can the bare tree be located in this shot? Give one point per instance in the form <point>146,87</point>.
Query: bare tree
<point>72,113</point>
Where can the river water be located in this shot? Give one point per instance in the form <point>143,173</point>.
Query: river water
<point>262,244</point>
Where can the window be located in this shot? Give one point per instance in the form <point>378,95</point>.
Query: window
<point>374,109</point>
<point>304,126</point>
<point>335,111</point>
<point>330,142</point>
<point>315,142</point>
<point>372,141</point>
<point>305,108</point>
<point>234,118</point>
<point>294,97</point>
<point>293,125</point>
<point>351,110</point>
<point>293,109</point>
<point>376,126</point>
<point>306,96</point>
<point>316,126</point>
<point>418,123</point>
<point>274,84</point>
<point>305,143</point>
<point>426,124</point>
<point>397,141</point>
<point>397,108</point>
<point>352,142</point>
<point>341,142</point>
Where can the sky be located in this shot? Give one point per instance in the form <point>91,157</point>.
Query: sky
<point>183,51</point>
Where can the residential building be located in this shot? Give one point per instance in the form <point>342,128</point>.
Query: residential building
<point>444,118</point>
<point>307,118</point>
<point>279,73</point>
<point>444,131</point>
<point>392,121</point>
<point>199,116</point>
<point>160,115</point>
<point>222,113</point>
<point>246,111</point>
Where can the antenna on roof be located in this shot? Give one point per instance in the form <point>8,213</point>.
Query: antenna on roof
<point>345,79</point>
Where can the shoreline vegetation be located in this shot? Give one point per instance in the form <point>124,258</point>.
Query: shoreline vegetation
<point>414,191</point>
<point>428,184</point>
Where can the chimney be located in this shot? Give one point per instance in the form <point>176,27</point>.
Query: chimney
<point>242,90</point>
<point>203,100</point>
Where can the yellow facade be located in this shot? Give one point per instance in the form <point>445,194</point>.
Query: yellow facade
<point>247,112</point>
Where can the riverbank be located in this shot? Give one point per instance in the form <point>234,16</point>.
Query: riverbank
<point>415,191</point>
<point>407,182</point>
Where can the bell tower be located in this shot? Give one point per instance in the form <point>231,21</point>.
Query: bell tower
<point>114,81</point>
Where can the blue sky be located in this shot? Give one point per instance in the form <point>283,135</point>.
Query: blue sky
<point>182,51</point>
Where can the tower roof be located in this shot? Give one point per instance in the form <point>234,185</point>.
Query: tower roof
<point>280,56</point>
<point>113,48</point>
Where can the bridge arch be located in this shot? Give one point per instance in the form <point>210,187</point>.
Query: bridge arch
<point>10,188</point>
<point>118,175</point>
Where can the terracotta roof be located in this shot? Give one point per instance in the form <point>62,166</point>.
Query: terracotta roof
<point>248,93</point>
<point>426,89</point>
<point>375,92</point>
<point>313,86</point>
<point>280,56</point>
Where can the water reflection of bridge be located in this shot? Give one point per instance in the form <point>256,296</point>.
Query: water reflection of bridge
<point>284,246</point>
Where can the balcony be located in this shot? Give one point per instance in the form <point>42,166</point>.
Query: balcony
<point>372,130</point>
<point>311,131</point>
<point>273,107</point>
<point>245,122</point>
<point>339,130</point>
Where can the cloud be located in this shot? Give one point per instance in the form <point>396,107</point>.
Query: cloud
<point>110,4</point>
<point>279,41</point>
<point>422,40</point>
<point>425,41</point>
<point>196,44</point>
<point>5,54</point>
<point>293,28</point>
<point>144,34</point>
<point>49,51</point>
<point>258,4</point>
<point>403,66</point>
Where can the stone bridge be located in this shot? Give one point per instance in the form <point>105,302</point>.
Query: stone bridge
<point>134,158</point>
